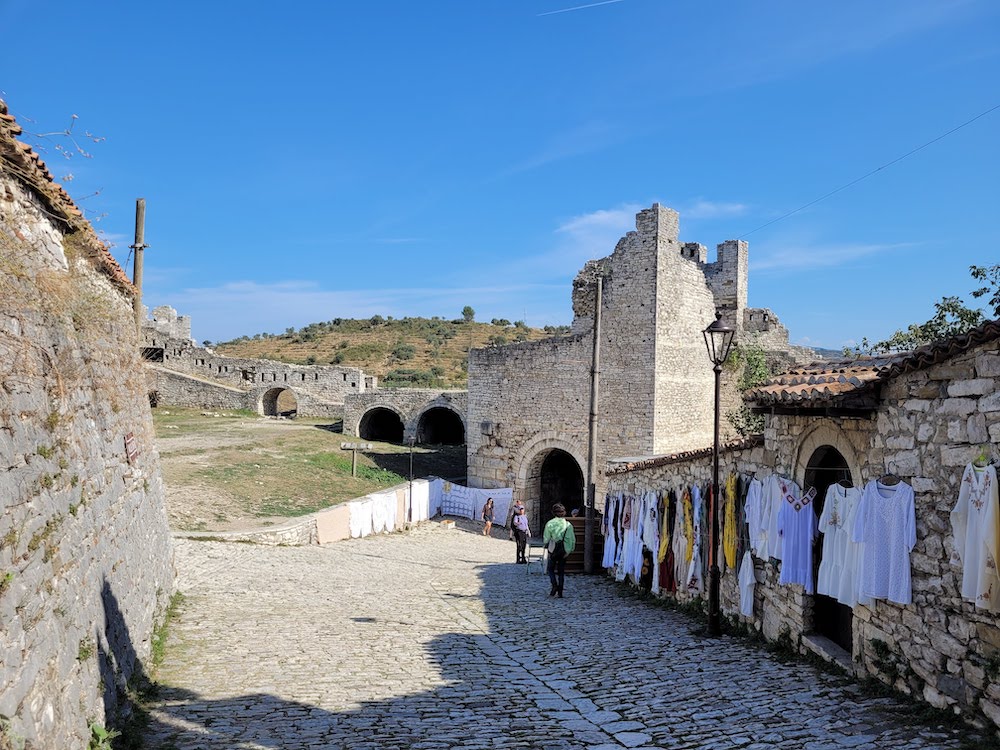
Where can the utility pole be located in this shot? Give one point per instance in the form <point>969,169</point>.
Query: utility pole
<point>138,247</point>
<point>595,382</point>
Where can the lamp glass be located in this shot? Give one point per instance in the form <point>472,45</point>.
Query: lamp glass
<point>718,340</point>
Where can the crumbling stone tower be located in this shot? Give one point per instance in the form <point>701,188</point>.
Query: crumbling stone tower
<point>529,402</point>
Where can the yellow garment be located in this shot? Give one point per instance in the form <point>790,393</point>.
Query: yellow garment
<point>688,525</point>
<point>664,531</point>
<point>729,534</point>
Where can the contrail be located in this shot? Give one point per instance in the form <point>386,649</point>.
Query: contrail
<point>580,7</point>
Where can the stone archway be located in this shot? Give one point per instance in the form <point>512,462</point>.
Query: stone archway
<point>529,462</point>
<point>440,425</point>
<point>381,424</point>
<point>279,402</point>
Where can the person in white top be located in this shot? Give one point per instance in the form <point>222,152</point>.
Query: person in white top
<point>520,532</point>
<point>975,522</point>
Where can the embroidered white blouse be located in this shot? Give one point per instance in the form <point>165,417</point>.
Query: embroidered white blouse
<point>887,527</point>
<point>975,522</point>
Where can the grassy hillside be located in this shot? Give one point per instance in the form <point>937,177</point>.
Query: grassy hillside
<point>406,352</point>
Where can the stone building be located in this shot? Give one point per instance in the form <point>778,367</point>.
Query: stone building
<point>86,563</point>
<point>185,374</point>
<point>529,403</point>
<point>922,415</point>
<point>399,415</point>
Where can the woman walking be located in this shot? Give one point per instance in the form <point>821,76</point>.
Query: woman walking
<point>488,516</point>
<point>560,540</point>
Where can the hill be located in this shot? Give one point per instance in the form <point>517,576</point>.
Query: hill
<point>417,352</point>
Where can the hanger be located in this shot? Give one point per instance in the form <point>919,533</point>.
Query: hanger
<point>985,457</point>
<point>891,478</point>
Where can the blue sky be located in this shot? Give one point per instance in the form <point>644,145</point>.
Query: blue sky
<point>312,160</point>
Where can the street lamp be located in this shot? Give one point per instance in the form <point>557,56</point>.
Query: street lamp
<point>409,508</point>
<point>718,341</point>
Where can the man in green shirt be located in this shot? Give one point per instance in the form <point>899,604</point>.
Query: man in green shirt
<point>560,540</point>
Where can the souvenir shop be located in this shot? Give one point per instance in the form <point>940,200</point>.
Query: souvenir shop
<point>865,526</point>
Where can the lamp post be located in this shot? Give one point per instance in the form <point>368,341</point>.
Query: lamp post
<point>718,341</point>
<point>409,503</point>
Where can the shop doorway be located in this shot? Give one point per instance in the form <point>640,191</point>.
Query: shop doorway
<point>560,481</point>
<point>832,619</point>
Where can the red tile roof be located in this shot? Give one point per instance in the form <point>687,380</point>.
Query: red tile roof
<point>740,444</point>
<point>851,382</point>
<point>19,161</point>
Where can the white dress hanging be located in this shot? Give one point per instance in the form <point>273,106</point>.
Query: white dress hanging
<point>975,522</point>
<point>886,526</point>
<point>839,510</point>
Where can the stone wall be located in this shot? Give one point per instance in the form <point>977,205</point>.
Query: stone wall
<point>410,404</point>
<point>656,382</point>
<point>85,556</point>
<point>929,425</point>
<point>320,390</point>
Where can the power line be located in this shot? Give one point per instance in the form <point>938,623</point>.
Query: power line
<point>874,171</point>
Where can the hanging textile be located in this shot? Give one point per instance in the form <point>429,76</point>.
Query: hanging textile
<point>730,532</point>
<point>753,507</point>
<point>747,581</point>
<point>838,568</point>
<point>975,522</point>
<point>797,528</point>
<point>886,526</point>
<point>695,574</point>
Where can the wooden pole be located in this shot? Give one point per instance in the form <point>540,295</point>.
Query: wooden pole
<point>595,382</point>
<point>138,247</point>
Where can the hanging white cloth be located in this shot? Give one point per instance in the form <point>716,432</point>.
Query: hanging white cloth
<point>360,518</point>
<point>753,508</point>
<point>838,568</point>
<point>886,526</point>
<point>747,580</point>
<point>975,522</point>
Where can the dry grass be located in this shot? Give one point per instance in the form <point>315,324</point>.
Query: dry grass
<point>438,346</point>
<point>240,471</point>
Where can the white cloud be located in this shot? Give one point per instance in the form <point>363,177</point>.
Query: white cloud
<point>803,256</point>
<point>577,141</point>
<point>702,209</point>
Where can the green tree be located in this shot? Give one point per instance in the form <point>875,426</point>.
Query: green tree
<point>951,317</point>
<point>468,314</point>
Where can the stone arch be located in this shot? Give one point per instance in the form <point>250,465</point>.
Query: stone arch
<point>530,462</point>
<point>381,423</point>
<point>825,433</point>
<point>441,424</point>
<point>278,402</point>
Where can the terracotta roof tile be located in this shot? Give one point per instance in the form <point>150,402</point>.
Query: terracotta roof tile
<point>23,164</point>
<point>838,382</point>
<point>648,463</point>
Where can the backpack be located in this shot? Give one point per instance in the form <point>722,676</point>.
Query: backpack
<point>557,547</point>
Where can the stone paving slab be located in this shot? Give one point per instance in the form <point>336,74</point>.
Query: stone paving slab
<point>435,639</point>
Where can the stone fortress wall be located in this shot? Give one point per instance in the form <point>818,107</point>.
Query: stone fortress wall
<point>86,564</point>
<point>410,405</point>
<point>319,390</point>
<point>656,383</point>
<point>928,425</point>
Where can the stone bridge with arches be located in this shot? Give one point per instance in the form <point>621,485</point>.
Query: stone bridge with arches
<point>427,416</point>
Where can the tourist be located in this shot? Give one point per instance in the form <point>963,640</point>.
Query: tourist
<point>560,540</point>
<point>520,532</point>
<point>488,516</point>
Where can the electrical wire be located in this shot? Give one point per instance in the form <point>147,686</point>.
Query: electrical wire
<point>874,171</point>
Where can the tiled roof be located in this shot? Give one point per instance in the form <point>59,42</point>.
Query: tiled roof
<point>851,382</point>
<point>23,164</point>
<point>624,467</point>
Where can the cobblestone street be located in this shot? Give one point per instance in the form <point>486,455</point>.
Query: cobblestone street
<point>435,639</point>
